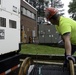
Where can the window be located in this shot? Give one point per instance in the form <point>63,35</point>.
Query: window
<point>33,16</point>
<point>2,22</point>
<point>2,34</point>
<point>24,11</point>
<point>12,24</point>
<point>28,13</point>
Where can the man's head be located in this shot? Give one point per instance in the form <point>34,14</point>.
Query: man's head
<point>51,15</point>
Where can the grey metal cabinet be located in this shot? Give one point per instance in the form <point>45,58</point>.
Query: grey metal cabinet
<point>47,38</point>
<point>41,39</point>
<point>48,34</point>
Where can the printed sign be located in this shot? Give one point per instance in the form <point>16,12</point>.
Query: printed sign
<point>2,34</point>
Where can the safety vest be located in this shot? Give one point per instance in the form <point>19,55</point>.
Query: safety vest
<point>67,25</point>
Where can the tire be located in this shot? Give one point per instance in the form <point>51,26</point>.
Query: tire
<point>71,68</point>
<point>24,66</point>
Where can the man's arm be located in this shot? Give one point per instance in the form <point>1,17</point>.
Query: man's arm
<point>67,43</point>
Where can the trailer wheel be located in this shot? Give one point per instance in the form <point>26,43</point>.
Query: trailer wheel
<point>71,68</point>
<point>24,66</point>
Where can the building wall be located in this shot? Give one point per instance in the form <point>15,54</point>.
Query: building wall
<point>28,21</point>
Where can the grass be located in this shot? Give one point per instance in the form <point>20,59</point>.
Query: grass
<point>40,49</point>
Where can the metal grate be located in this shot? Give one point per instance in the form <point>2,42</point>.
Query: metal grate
<point>49,70</point>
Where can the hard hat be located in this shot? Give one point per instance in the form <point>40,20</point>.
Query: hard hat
<point>49,12</point>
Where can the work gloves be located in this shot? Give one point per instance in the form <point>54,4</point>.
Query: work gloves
<point>70,57</point>
<point>67,58</point>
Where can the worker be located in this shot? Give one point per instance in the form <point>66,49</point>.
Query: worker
<point>66,27</point>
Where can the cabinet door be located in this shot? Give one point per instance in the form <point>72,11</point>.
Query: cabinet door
<point>47,38</point>
<point>55,38</point>
<point>41,38</point>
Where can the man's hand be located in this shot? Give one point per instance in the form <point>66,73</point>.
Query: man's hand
<point>65,64</point>
<point>69,57</point>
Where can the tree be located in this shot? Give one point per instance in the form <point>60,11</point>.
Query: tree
<point>72,9</point>
<point>40,8</point>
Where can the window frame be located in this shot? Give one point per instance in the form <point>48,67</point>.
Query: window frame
<point>2,22</point>
<point>12,24</point>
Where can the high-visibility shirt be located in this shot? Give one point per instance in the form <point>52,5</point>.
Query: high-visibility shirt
<point>67,25</point>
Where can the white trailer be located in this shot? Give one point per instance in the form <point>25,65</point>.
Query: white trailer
<point>9,34</point>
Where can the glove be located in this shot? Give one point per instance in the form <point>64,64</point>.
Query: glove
<point>67,59</point>
<point>70,57</point>
<point>65,63</point>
